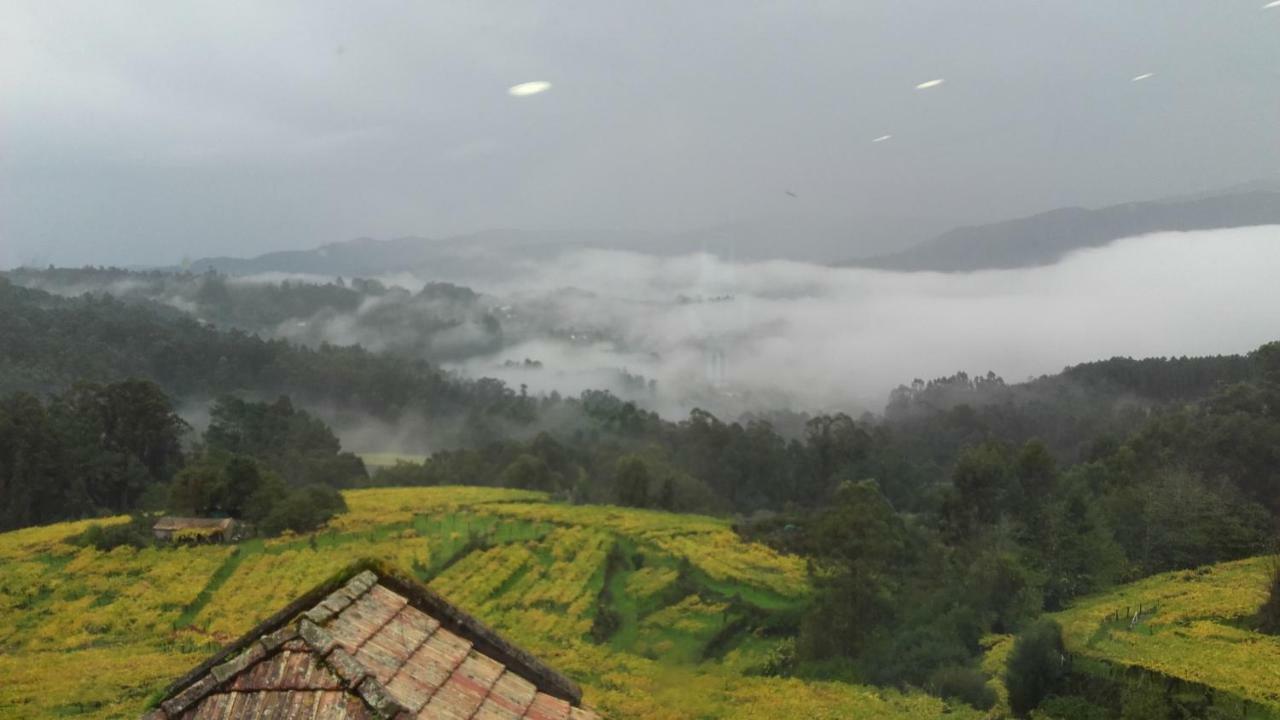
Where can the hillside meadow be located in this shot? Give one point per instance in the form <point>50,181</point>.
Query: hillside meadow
<point>657,615</point>
<point>1194,626</point>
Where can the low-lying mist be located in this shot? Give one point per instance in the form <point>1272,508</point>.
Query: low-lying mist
<point>734,337</point>
<point>674,333</point>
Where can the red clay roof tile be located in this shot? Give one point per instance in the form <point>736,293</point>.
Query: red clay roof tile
<point>373,653</point>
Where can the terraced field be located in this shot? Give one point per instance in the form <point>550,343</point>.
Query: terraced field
<point>1193,627</point>
<point>656,615</point>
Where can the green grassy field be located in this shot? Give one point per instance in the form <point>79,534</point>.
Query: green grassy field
<point>378,460</point>
<point>693,609</point>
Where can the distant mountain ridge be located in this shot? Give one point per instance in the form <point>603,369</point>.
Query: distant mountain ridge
<point>490,253</point>
<point>1045,238</point>
<point>458,256</point>
<point>1040,239</point>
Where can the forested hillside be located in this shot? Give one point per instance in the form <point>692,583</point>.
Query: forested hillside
<point>439,322</point>
<point>48,343</point>
<point>966,510</point>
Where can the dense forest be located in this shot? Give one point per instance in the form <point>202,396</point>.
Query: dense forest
<point>121,448</point>
<point>440,322</point>
<point>969,506</point>
<point>48,343</point>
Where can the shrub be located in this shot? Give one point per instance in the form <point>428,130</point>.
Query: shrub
<point>781,660</point>
<point>606,623</point>
<point>135,533</point>
<point>1036,666</point>
<point>966,684</point>
<point>1143,699</point>
<point>302,510</point>
<point>403,474</point>
<point>1072,707</point>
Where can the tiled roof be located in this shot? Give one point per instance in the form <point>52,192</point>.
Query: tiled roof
<point>182,523</point>
<point>377,646</point>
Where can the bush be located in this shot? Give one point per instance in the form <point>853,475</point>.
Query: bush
<point>1072,707</point>
<point>1143,699</point>
<point>136,533</point>
<point>529,472</point>
<point>966,684</point>
<point>1037,665</point>
<point>781,660</point>
<point>303,510</point>
<point>631,478</point>
<point>607,622</point>
<point>403,474</point>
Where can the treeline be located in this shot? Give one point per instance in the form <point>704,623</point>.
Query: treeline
<point>1070,411</point>
<point>440,322</point>
<point>904,597</point>
<point>120,448</point>
<point>91,450</point>
<point>749,465</point>
<point>48,343</point>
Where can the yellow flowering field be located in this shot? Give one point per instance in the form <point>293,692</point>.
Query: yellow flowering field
<point>709,544</point>
<point>1194,632</point>
<point>624,685</point>
<point>100,596</point>
<point>995,657</point>
<point>649,581</point>
<point>92,634</point>
<point>548,588</point>
<point>47,539</point>
<point>380,506</point>
<point>265,582</point>
<point>94,682</point>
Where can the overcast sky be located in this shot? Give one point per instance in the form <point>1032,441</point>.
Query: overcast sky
<point>143,132</point>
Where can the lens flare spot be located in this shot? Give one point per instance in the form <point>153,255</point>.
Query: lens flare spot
<point>526,89</point>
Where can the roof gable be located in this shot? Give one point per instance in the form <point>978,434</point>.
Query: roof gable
<point>371,645</point>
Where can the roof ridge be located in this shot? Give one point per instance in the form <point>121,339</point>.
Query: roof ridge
<point>483,638</point>
<point>341,598</point>
<point>355,677</point>
<point>303,626</point>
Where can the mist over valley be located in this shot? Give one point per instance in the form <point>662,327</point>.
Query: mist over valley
<point>745,360</point>
<point>675,332</point>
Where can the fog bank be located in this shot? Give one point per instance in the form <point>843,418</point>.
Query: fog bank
<point>741,336</point>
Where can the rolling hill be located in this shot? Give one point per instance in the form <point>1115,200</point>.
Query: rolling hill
<point>1178,644</point>
<point>656,615</point>
<point>1040,239</point>
<point>499,253</point>
<point>1191,626</point>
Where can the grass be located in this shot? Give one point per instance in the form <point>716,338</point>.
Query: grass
<point>90,634</point>
<point>375,461</point>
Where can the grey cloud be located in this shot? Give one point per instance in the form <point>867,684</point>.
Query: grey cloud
<point>139,133</point>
